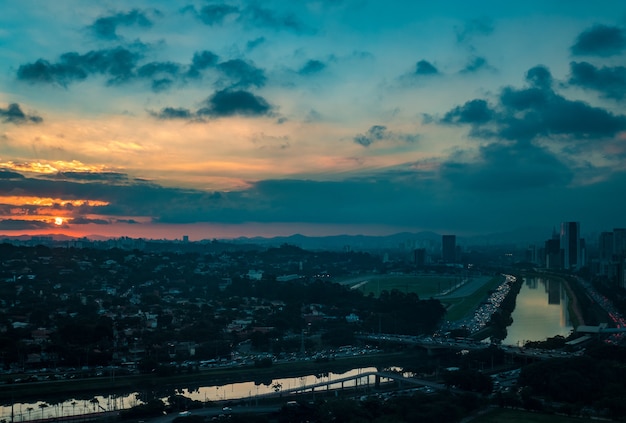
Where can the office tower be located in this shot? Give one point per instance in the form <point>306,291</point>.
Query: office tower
<point>605,246</point>
<point>448,248</point>
<point>571,245</point>
<point>619,242</point>
<point>419,256</point>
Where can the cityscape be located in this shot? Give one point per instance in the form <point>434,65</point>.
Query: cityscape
<point>312,211</point>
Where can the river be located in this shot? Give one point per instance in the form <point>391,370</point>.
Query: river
<point>541,312</point>
<point>23,411</point>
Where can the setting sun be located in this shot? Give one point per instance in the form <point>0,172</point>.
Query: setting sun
<point>58,221</point>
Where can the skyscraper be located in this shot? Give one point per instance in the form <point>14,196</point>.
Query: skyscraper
<point>448,248</point>
<point>571,245</point>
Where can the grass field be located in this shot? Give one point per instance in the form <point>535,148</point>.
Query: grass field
<point>460,307</point>
<point>520,416</point>
<point>425,286</point>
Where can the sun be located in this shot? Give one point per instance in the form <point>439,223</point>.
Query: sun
<point>58,221</point>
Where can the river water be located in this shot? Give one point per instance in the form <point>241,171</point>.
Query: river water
<point>541,312</point>
<point>23,411</point>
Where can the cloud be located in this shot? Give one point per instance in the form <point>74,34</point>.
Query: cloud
<point>213,14</point>
<point>536,111</point>
<point>312,67</point>
<point>221,104</point>
<point>267,18</point>
<point>375,133</point>
<point>238,102</point>
<point>480,26</point>
<point>168,113</point>
<point>378,133</point>
<point>473,112</point>
<point>475,64</point>
<point>252,44</point>
<point>505,167</point>
<point>17,224</point>
<point>7,174</point>
<point>600,40</point>
<point>86,221</point>
<point>111,177</point>
<point>242,74</point>
<point>424,67</point>
<point>201,60</point>
<point>118,64</point>
<point>105,27</point>
<point>14,114</point>
<point>610,82</point>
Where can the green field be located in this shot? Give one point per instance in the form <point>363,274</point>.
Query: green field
<point>520,416</point>
<point>425,286</point>
<point>458,308</point>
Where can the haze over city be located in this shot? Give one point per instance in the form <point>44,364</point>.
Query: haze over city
<point>157,119</point>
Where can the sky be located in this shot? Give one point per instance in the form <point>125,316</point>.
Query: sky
<point>159,119</point>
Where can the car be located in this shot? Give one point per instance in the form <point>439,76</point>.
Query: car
<point>227,409</point>
<point>184,413</point>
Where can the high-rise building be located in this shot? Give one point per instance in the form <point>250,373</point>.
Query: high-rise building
<point>448,248</point>
<point>571,245</point>
<point>419,256</point>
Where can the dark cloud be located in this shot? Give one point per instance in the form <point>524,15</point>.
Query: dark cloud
<point>424,67</point>
<point>474,112</point>
<point>118,64</point>
<point>242,74</point>
<point>86,221</point>
<point>506,167</point>
<point>106,27</point>
<point>127,221</point>
<point>237,102</point>
<point>267,18</point>
<point>479,26</point>
<point>174,113</point>
<point>610,82</point>
<point>7,174</point>
<point>112,177</point>
<point>540,77</point>
<point>202,60</point>
<point>14,114</point>
<point>153,69</point>
<point>524,114</point>
<point>311,67</point>
<point>475,64</point>
<point>375,133</point>
<point>252,44</point>
<point>378,133</point>
<point>20,225</point>
<point>212,14</point>
<point>600,40</point>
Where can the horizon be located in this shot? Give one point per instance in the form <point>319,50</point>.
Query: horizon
<point>152,119</point>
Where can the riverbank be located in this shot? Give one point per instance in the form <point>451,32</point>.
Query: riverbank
<point>51,391</point>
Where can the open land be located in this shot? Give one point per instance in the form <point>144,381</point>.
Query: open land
<point>459,298</point>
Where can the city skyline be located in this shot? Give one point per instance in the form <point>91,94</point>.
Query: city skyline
<point>217,120</point>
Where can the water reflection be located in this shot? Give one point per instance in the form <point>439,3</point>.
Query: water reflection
<point>21,412</point>
<point>541,312</point>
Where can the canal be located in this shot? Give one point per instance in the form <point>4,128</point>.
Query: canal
<point>541,312</point>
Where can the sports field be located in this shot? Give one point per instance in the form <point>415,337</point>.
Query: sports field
<point>459,299</point>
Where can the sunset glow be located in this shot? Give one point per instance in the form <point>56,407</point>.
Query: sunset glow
<point>149,117</point>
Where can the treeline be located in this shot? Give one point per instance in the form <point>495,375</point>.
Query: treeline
<point>597,380</point>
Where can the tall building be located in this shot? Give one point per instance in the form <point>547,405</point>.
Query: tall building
<point>448,248</point>
<point>571,246</point>
<point>552,251</point>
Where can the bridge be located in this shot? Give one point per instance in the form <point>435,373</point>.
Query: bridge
<point>364,380</point>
